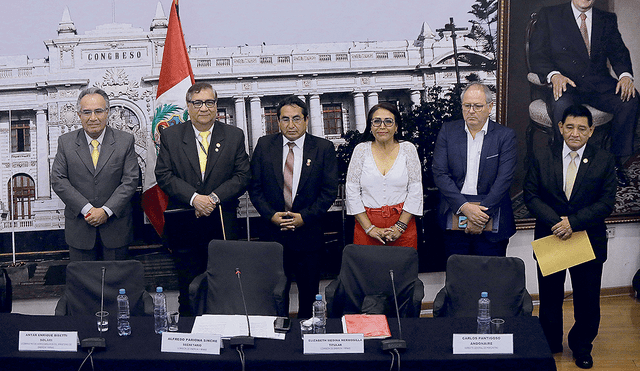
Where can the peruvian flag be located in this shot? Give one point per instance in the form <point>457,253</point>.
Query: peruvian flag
<point>176,77</point>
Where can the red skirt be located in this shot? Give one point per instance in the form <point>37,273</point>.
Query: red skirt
<point>385,217</point>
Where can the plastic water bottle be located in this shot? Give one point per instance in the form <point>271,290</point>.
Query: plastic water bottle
<point>319,316</point>
<point>484,314</point>
<point>160,311</point>
<point>124,327</point>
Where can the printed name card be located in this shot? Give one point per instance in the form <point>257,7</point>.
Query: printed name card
<point>482,344</point>
<point>177,342</point>
<point>333,343</point>
<point>54,341</point>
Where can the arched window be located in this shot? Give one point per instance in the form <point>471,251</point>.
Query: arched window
<point>23,189</point>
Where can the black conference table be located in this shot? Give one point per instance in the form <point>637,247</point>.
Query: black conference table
<point>429,347</point>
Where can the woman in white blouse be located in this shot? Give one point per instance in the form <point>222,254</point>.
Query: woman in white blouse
<point>384,183</point>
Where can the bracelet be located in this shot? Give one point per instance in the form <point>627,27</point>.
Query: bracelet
<point>366,231</point>
<point>401,226</point>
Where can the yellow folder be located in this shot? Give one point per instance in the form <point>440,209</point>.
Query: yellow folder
<point>554,254</point>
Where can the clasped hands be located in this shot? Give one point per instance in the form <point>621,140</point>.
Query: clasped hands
<point>96,216</point>
<point>385,235</point>
<point>476,218</point>
<point>562,229</point>
<point>287,221</point>
<point>624,87</point>
<point>204,205</point>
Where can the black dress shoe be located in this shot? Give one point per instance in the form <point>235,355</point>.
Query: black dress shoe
<point>584,361</point>
<point>623,177</point>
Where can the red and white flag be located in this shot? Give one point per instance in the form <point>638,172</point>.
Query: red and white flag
<point>175,79</point>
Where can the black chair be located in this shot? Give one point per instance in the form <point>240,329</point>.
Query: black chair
<point>541,93</point>
<point>364,284</point>
<point>467,276</point>
<point>217,291</point>
<point>5,292</point>
<point>82,290</point>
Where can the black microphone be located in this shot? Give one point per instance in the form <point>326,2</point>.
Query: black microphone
<point>398,344</point>
<point>243,340</point>
<point>97,342</point>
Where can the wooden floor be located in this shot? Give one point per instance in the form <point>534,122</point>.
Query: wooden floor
<point>617,346</point>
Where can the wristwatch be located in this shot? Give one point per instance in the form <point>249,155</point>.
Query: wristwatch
<point>214,198</point>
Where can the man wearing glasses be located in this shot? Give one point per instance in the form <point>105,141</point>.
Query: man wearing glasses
<point>473,165</point>
<point>95,173</point>
<point>294,182</point>
<point>203,167</point>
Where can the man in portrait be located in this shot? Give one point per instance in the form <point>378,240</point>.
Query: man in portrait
<point>474,162</point>
<point>568,188</point>
<point>95,173</point>
<point>294,183</point>
<point>572,47</point>
<point>203,167</point>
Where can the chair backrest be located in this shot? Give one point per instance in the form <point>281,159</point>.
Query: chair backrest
<point>84,279</point>
<point>5,292</point>
<point>531,24</point>
<point>364,283</point>
<point>262,274</point>
<point>467,276</point>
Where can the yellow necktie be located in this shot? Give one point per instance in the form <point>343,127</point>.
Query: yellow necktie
<point>203,150</point>
<point>572,170</point>
<point>94,153</point>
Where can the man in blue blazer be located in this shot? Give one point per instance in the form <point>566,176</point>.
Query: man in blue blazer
<point>473,165</point>
<point>292,215</point>
<point>573,58</point>
<point>95,173</point>
<point>564,202</point>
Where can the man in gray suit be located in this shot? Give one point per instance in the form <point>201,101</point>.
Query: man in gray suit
<point>95,173</point>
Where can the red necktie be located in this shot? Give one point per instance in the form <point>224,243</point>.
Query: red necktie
<point>288,178</point>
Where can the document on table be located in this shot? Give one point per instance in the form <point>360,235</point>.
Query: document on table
<point>236,325</point>
<point>554,254</point>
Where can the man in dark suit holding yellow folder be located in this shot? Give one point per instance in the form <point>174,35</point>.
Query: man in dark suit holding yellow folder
<point>572,187</point>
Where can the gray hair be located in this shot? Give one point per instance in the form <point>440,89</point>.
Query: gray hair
<point>89,91</point>
<point>487,92</point>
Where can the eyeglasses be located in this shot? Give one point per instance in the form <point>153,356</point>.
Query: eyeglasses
<point>295,119</point>
<point>387,122</point>
<point>198,103</point>
<point>476,107</point>
<point>98,112</point>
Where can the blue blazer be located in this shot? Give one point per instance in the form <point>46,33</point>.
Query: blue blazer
<point>497,167</point>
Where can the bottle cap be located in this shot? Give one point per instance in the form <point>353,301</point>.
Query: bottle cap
<point>484,295</point>
<point>122,291</point>
<point>318,297</point>
<point>158,289</point>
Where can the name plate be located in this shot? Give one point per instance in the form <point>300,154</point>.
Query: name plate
<point>177,342</point>
<point>333,343</point>
<point>53,341</point>
<point>482,344</point>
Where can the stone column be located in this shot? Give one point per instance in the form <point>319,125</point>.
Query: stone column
<point>360,111</point>
<point>241,120</point>
<point>372,100</point>
<point>257,128</point>
<point>315,111</point>
<point>42,183</point>
<point>415,97</point>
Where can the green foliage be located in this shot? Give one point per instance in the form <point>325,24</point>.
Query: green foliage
<point>483,27</point>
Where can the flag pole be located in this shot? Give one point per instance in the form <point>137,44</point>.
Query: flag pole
<point>11,208</point>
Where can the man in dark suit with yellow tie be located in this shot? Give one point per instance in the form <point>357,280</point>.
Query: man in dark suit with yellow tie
<point>95,173</point>
<point>202,165</point>
<point>572,187</point>
<point>294,182</point>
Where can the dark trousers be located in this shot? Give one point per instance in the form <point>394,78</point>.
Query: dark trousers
<point>624,115</point>
<point>304,267</point>
<point>188,237</point>
<point>585,281</point>
<point>99,252</point>
<point>458,242</point>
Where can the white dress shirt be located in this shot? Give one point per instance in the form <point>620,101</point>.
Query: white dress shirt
<point>474,150</point>
<point>88,206</point>
<point>566,158</point>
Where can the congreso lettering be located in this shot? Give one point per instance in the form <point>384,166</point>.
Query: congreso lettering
<point>107,56</point>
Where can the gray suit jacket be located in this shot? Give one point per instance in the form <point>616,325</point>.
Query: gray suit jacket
<point>110,184</point>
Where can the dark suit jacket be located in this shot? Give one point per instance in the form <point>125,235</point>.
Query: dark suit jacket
<point>497,166</point>
<point>111,183</point>
<point>178,168</point>
<point>592,198</point>
<point>317,188</point>
<point>557,45</point>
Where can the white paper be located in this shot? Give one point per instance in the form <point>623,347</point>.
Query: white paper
<point>333,343</point>
<point>54,341</point>
<point>236,325</point>
<point>482,343</point>
<point>177,342</point>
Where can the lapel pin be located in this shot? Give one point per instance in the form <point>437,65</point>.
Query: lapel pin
<point>308,162</point>
<point>217,150</point>
<point>585,160</point>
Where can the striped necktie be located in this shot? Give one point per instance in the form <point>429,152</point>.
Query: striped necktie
<point>288,178</point>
